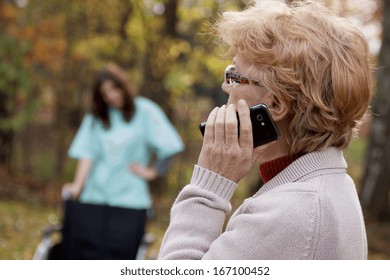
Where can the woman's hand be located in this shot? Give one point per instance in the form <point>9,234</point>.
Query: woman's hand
<point>145,172</point>
<point>222,151</point>
<point>71,191</point>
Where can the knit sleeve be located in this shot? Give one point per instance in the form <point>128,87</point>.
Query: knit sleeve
<point>280,225</point>
<point>197,216</point>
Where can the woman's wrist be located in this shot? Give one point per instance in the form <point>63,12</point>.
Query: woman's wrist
<point>214,182</point>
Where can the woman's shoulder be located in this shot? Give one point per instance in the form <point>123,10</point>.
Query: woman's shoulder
<point>142,102</point>
<point>88,118</point>
<point>297,194</point>
<point>91,122</point>
<point>149,109</point>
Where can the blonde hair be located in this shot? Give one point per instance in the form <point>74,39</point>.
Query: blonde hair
<point>314,62</point>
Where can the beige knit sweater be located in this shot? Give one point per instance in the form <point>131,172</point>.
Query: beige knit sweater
<point>310,210</point>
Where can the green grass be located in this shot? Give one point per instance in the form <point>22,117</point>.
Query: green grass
<point>21,227</point>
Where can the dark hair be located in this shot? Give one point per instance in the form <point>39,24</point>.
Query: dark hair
<point>99,107</point>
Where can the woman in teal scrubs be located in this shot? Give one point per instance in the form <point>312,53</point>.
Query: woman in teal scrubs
<point>114,146</point>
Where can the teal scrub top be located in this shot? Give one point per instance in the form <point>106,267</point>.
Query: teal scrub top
<point>112,150</point>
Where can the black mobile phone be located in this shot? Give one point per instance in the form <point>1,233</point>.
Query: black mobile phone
<point>264,129</point>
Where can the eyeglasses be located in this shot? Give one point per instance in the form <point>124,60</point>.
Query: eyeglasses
<point>232,77</point>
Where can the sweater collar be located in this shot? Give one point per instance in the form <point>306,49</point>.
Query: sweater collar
<point>270,169</point>
<point>328,160</point>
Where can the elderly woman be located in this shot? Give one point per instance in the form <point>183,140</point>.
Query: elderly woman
<point>311,68</point>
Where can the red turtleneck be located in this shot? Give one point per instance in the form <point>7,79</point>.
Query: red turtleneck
<point>270,169</point>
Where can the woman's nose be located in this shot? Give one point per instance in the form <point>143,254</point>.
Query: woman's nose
<point>111,93</point>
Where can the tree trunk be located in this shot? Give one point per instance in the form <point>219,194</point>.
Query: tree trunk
<point>6,135</point>
<point>154,75</point>
<point>376,179</point>
<point>171,18</point>
<point>63,91</point>
<point>153,82</point>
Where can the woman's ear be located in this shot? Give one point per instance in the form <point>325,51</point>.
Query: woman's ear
<point>278,109</point>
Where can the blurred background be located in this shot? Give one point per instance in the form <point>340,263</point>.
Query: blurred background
<point>48,52</point>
